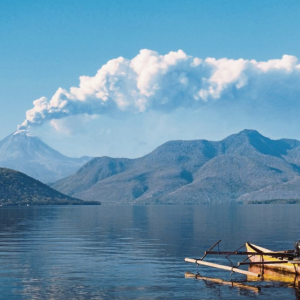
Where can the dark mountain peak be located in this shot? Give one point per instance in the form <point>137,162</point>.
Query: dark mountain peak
<point>249,132</point>
<point>240,143</point>
<point>173,149</point>
<point>249,142</point>
<point>245,135</point>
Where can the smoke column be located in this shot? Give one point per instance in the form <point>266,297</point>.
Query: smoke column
<point>151,81</point>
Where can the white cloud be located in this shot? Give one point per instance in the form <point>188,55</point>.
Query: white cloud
<point>151,81</point>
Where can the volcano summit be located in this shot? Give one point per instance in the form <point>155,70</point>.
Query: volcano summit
<point>25,152</point>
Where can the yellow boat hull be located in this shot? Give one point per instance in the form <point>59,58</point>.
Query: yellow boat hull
<point>293,267</point>
<point>274,275</point>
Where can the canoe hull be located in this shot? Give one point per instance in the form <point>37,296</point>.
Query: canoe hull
<point>274,275</point>
<point>285,268</point>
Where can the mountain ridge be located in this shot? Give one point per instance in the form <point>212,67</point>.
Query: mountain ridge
<point>198,171</point>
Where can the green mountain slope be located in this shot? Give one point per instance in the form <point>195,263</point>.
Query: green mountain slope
<point>17,188</point>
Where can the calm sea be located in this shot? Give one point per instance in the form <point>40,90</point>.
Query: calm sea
<point>137,252</point>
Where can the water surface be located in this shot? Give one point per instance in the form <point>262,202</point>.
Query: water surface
<point>136,252</point>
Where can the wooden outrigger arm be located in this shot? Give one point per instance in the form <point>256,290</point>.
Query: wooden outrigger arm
<point>207,252</point>
<point>274,254</point>
<point>209,264</point>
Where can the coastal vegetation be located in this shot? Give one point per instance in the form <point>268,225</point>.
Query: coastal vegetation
<point>19,189</point>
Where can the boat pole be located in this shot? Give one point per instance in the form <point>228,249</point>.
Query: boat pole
<point>209,264</point>
<point>213,246</point>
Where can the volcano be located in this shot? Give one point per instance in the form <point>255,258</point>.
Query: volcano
<point>25,152</point>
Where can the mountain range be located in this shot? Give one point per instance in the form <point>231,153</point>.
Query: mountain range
<point>24,152</point>
<point>246,167</point>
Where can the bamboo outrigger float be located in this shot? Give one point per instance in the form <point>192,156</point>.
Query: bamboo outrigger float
<point>287,261</point>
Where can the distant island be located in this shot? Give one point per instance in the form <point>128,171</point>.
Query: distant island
<point>18,189</point>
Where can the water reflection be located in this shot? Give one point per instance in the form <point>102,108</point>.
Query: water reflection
<point>279,279</point>
<point>124,252</point>
<point>252,287</point>
<point>209,281</point>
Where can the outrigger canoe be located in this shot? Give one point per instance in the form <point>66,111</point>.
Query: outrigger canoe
<point>288,264</point>
<point>287,261</point>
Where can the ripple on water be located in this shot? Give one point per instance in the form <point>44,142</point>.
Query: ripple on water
<point>135,252</point>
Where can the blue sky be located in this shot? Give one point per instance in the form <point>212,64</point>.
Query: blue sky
<point>50,44</point>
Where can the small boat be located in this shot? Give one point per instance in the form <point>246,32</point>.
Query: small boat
<point>287,264</point>
<point>287,261</point>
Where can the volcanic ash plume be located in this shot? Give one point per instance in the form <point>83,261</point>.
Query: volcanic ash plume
<point>151,81</point>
